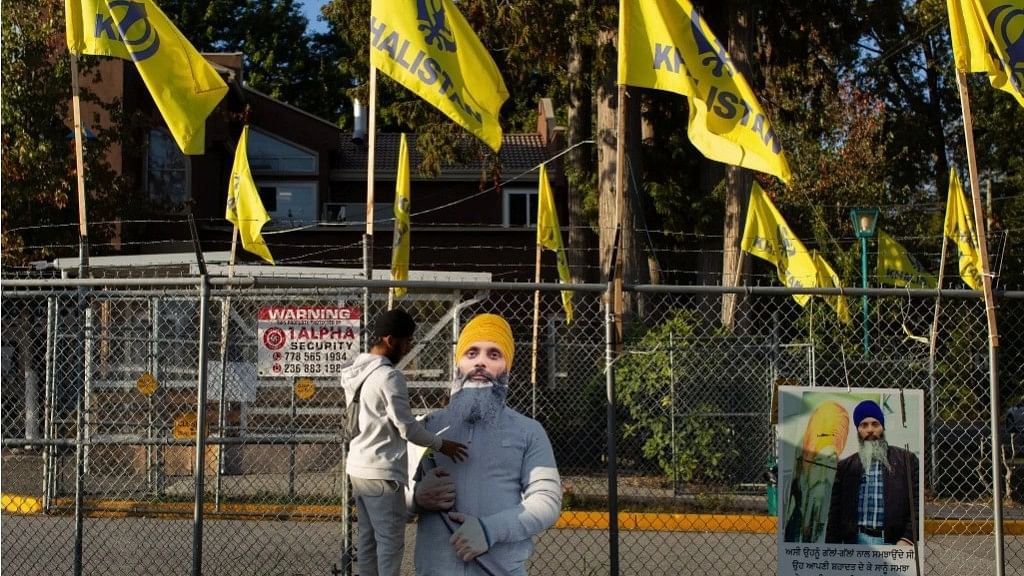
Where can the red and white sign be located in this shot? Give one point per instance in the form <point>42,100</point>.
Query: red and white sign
<point>309,341</point>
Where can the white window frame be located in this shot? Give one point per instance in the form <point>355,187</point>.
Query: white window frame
<point>506,194</point>
<point>279,217</point>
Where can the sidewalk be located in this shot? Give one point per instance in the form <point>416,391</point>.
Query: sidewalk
<point>643,504</point>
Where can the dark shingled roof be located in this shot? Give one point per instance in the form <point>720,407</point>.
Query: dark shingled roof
<point>519,153</point>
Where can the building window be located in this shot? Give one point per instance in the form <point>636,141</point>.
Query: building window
<point>519,207</point>
<point>270,154</point>
<point>166,173</point>
<point>289,203</point>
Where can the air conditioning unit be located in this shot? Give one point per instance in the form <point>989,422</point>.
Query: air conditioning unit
<point>332,213</point>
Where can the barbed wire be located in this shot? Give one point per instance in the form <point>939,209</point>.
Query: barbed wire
<point>460,225</point>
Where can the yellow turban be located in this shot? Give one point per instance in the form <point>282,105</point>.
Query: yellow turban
<point>487,328</point>
<point>828,426</point>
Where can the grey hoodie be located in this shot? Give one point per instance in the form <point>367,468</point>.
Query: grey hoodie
<point>385,420</point>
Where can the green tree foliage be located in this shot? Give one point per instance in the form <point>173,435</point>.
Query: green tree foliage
<point>702,447</point>
<point>521,38</point>
<point>281,59</point>
<point>40,207</point>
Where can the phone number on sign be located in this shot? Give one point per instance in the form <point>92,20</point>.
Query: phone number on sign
<point>309,369</point>
<point>313,356</point>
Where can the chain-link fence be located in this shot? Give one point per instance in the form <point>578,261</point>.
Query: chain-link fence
<point>101,405</point>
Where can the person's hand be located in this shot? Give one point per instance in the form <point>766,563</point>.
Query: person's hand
<point>905,542</point>
<point>454,450</point>
<point>436,491</point>
<point>469,540</point>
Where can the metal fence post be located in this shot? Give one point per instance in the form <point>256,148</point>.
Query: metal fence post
<point>151,366</point>
<point>672,412</point>
<point>81,465</point>
<point>997,492</point>
<point>200,471</point>
<point>87,373</point>
<point>79,486</point>
<point>292,411</point>
<point>613,472</point>
<point>344,565</point>
<point>49,452</point>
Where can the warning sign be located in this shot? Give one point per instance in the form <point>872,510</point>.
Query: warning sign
<point>306,340</point>
<point>185,425</point>
<point>304,388</point>
<point>146,384</point>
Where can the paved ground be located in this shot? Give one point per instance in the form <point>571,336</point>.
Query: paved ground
<point>37,545</point>
<point>41,545</point>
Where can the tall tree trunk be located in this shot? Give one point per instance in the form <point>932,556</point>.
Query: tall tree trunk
<point>582,260</point>
<point>607,109</point>
<point>647,134</point>
<point>607,116</point>
<point>738,180</point>
<point>636,269</point>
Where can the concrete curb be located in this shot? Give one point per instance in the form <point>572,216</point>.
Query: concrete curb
<point>577,520</point>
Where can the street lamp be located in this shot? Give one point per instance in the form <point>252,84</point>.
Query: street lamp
<point>865,223</point>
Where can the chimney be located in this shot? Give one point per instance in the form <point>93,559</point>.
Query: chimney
<point>358,121</point>
<point>545,120</point>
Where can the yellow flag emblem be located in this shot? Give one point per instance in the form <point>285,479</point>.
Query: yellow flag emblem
<point>428,47</point>
<point>549,236</point>
<point>988,36</point>
<point>897,267</point>
<point>959,227</point>
<point>245,209</point>
<point>667,45</point>
<point>184,86</point>
<point>767,236</point>
<point>403,202</point>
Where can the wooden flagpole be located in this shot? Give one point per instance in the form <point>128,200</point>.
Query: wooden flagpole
<point>83,224</point>
<point>536,324</point>
<point>933,340</point>
<point>620,210</point>
<point>993,330</point>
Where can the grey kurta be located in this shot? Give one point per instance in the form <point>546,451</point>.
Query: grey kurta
<point>510,482</point>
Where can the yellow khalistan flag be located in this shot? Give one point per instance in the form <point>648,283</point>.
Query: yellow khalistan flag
<point>403,201</point>
<point>827,278</point>
<point>245,209</point>
<point>767,236</point>
<point>549,235</point>
<point>959,228</point>
<point>896,267</point>
<point>429,48</point>
<point>988,36</point>
<point>665,44</point>
<point>184,86</point>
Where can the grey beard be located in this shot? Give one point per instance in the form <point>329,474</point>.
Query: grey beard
<point>872,450</point>
<point>482,404</point>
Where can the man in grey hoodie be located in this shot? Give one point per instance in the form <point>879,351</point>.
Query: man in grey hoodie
<point>377,460</point>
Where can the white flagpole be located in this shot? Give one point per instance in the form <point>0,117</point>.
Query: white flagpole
<point>222,413</point>
<point>371,174</point>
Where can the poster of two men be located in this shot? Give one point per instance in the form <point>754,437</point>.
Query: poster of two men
<point>850,469</point>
